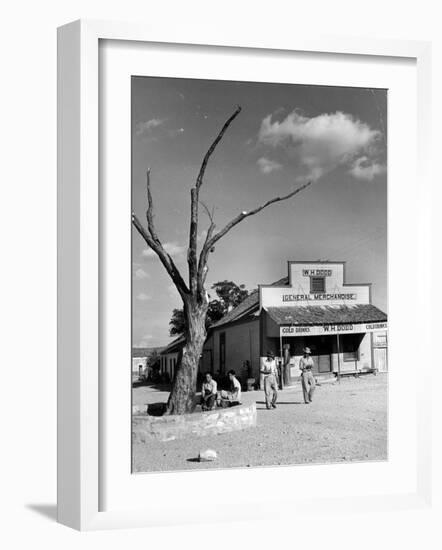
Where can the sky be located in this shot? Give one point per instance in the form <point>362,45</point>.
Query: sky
<point>285,135</point>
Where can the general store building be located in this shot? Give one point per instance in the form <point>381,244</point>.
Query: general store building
<point>313,306</point>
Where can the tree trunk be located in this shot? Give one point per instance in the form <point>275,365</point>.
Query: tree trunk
<point>182,397</point>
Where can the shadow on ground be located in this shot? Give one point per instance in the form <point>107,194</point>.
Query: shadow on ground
<point>156,386</point>
<point>156,409</point>
<point>49,511</point>
<point>282,403</point>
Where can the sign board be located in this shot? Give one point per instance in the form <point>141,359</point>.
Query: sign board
<point>324,330</point>
<point>317,272</point>
<point>320,297</point>
<point>300,291</point>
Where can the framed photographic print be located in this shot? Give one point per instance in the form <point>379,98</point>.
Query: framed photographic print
<point>237,270</point>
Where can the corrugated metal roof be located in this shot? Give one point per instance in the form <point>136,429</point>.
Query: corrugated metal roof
<point>326,315</point>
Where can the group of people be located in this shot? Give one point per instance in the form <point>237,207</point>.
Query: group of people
<point>269,370</point>
<point>211,397</point>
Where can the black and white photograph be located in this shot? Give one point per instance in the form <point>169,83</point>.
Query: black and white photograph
<point>259,287</point>
<point>221,230</point>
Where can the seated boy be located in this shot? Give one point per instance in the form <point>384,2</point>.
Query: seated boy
<point>233,396</point>
<point>208,393</point>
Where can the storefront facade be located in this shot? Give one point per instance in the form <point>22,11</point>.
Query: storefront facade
<point>313,306</point>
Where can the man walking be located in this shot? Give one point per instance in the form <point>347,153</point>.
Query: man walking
<point>307,379</point>
<point>268,369</point>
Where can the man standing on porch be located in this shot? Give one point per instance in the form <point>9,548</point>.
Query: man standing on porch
<point>268,369</point>
<point>307,379</point>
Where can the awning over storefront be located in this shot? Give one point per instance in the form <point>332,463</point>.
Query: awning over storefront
<point>322,320</point>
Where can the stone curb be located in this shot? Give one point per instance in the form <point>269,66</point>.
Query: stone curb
<point>168,428</point>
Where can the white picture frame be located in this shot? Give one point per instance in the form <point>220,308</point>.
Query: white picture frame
<point>79,439</point>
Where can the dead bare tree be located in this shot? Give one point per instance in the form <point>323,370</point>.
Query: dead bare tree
<point>194,295</point>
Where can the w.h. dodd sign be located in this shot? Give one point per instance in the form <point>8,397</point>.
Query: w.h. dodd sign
<point>319,330</point>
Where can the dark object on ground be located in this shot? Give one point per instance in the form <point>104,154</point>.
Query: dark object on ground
<point>156,409</point>
<point>357,373</point>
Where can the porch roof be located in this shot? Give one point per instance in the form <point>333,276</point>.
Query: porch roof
<point>326,315</point>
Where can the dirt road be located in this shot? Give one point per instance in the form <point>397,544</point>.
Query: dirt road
<point>345,422</point>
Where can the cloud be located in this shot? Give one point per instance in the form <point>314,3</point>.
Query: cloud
<point>267,166</point>
<point>140,274</point>
<point>365,169</point>
<point>322,143</point>
<point>147,126</point>
<point>143,297</point>
<point>172,248</point>
<point>155,129</point>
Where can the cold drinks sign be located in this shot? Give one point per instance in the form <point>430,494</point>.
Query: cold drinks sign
<point>306,330</point>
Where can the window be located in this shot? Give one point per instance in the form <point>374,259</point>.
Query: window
<point>351,355</point>
<point>380,339</point>
<point>317,284</point>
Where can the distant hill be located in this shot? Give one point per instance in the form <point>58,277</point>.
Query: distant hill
<point>145,352</point>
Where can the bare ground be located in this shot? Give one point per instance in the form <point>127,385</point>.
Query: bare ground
<point>347,421</point>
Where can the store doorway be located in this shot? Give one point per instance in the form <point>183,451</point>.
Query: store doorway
<point>350,351</point>
<point>322,349</point>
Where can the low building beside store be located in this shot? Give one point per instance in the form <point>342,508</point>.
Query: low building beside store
<point>313,306</point>
<point>141,359</point>
<point>169,357</point>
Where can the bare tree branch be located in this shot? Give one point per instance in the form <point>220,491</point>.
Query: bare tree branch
<point>194,202</point>
<point>244,215</point>
<point>202,264</point>
<point>193,235</point>
<point>209,213</point>
<point>153,241</point>
<point>149,211</point>
<point>164,257</point>
<point>199,179</point>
